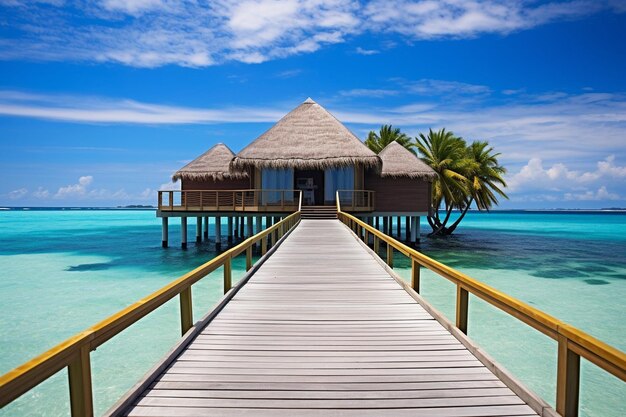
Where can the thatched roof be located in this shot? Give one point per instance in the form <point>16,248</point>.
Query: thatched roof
<point>400,162</point>
<point>213,164</point>
<point>308,137</point>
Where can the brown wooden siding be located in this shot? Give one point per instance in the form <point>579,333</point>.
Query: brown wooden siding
<point>227,184</point>
<point>399,194</point>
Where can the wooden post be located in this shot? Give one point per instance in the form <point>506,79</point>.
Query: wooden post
<point>218,230</point>
<point>263,245</point>
<point>236,228</point>
<point>186,310</point>
<point>407,228</point>
<point>242,232</point>
<point>386,225</point>
<point>415,222</point>
<point>198,229</point>
<point>206,228</point>
<point>415,275</point>
<point>273,234</point>
<point>377,223</point>
<point>230,228</point>
<point>462,304</point>
<point>399,228</point>
<point>183,232</point>
<point>376,244</point>
<point>248,258</point>
<point>259,224</point>
<point>164,231</point>
<point>79,375</point>
<point>249,226</point>
<point>389,255</point>
<point>567,379</point>
<point>228,274</point>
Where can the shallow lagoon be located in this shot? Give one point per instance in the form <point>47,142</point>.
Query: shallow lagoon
<point>65,270</point>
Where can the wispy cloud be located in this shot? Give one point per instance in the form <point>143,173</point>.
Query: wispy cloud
<point>199,33</point>
<point>108,110</point>
<point>363,51</point>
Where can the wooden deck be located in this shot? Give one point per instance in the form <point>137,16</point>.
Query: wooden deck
<point>322,328</point>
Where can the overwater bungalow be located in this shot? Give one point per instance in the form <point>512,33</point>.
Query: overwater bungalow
<point>306,160</point>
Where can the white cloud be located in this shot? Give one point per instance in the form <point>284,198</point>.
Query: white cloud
<point>198,33</point>
<point>41,193</point>
<point>74,190</point>
<point>601,194</point>
<point>368,92</point>
<point>17,194</point>
<point>107,110</point>
<point>363,51</point>
<point>170,186</point>
<point>534,175</point>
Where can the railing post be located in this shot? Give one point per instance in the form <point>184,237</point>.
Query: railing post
<point>567,379</point>
<point>263,245</point>
<point>228,274</point>
<point>376,244</point>
<point>79,375</point>
<point>462,304</point>
<point>248,258</point>
<point>274,232</point>
<point>171,198</point>
<point>160,202</point>
<point>415,275</point>
<point>389,255</point>
<point>186,310</point>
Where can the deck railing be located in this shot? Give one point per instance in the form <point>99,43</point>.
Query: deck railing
<point>356,200</point>
<point>572,342</point>
<point>74,353</point>
<point>229,200</point>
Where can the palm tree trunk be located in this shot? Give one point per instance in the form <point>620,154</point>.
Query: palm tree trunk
<point>452,228</point>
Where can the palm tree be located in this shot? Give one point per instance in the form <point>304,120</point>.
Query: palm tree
<point>484,180</point>
<point>387,134</point>
<point>446,155</point>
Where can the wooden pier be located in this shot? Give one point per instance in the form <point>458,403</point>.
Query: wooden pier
<point>321,325</point>
<point>323,329</point>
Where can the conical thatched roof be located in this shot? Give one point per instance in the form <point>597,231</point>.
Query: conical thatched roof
<point>308,137</point>
<point>213,164</point>
<point>400,162</point>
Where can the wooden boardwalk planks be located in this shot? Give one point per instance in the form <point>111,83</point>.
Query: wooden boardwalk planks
<point>321,329</point>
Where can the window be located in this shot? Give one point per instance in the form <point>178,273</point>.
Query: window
<point>276,179</point>
<point>338,179</point>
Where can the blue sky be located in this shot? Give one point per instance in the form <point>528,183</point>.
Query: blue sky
<point>101,101</point>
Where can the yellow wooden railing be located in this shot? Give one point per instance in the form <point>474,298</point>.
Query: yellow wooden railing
<point>572,342</point>
<point>357,200</point>
<point>229,200</point>
<point>74,353</point>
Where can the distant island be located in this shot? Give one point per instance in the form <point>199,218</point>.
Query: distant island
<point>136,206</point>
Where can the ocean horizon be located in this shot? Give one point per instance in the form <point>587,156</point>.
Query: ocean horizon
<point>65,270</point>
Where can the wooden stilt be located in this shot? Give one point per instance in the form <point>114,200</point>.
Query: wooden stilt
<point>198,229</point>
<point>386,225</point>
<point>218,230</point>
<point>399,228</point>
<point>206,228</point>
<point>183,232</point>
<point>377,223</point>
<point>164,231</point>
<point>249,220</point>
<point>407,228</point>
<point>241,227</point>
<point>415,221</point>
<point>230,228</point>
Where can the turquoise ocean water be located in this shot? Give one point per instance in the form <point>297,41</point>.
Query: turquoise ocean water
<point>63,271</point>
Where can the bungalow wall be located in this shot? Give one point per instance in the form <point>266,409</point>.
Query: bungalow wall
<point>399,195</point>
<point>210,184</point>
